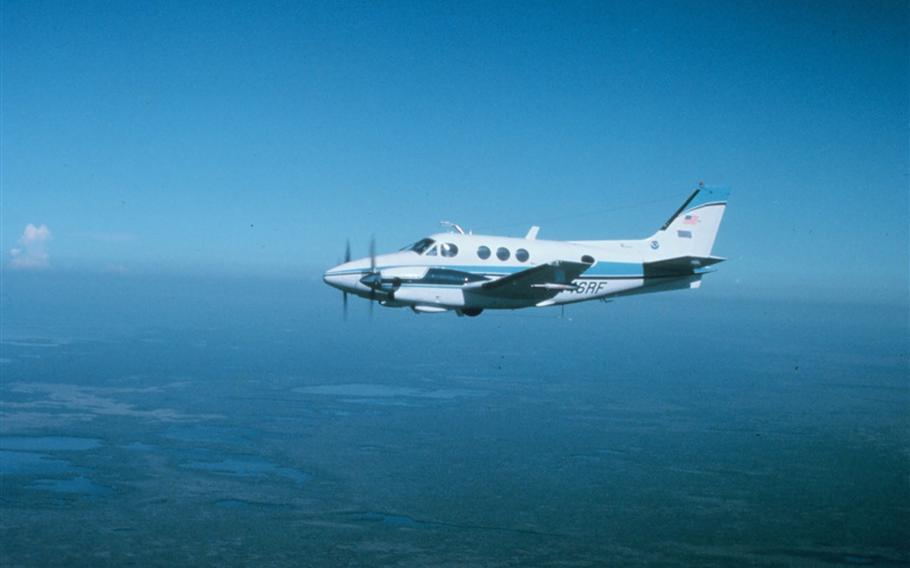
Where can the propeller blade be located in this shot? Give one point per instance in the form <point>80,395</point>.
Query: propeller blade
<point>372,271</point>
<point>372,254</point>
<point>344,295</point>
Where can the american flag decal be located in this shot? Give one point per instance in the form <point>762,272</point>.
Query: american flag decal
<point>690,220</point>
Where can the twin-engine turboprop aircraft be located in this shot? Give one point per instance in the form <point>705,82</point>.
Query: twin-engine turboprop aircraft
<point>467,273</point>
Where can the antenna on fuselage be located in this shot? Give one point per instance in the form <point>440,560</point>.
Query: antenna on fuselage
<point>452,225</point>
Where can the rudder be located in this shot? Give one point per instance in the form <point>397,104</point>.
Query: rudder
<point>692,229</point>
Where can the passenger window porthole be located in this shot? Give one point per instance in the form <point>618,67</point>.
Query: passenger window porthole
<point>502,253</point>
<point>483,252</point>
<point>448,249</point>
<point>522,255</point>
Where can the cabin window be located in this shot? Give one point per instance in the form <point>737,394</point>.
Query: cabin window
<point>432,251</point>
<point>502,253</point>
<point>448,249</point>
<point>483,252</point>
<point>522,255</point>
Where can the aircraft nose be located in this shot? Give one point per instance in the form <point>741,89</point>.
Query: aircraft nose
<point>333,278</point>
<point>345,276</point>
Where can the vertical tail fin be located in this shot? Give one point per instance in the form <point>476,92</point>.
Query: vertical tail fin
<point>692,229</point>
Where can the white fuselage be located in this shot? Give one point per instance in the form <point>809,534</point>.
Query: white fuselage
<point>617,269</point>
<point>469,273</point>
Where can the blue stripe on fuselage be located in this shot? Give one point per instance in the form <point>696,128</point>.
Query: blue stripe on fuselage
<point>601,269</point>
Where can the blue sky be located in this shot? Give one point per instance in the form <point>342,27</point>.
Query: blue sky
<point>254,138</point>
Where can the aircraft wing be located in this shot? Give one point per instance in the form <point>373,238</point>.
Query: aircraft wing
<point>537,283</point>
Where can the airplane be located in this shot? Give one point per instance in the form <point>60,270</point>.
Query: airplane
<point>466,273</point>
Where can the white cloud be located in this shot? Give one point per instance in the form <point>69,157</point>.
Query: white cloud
<point>32,249</point>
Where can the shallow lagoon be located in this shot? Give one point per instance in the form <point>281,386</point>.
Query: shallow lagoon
<point>48,443</point>
<point>77,485</point>
<point>26,463</point>
<point>252,427</point>
<point>249,467</point>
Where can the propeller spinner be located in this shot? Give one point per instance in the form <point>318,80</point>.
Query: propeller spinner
<point>380,288</point>
<point>377,287</point>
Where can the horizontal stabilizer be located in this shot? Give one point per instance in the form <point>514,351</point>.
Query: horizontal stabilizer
<point>680,266</point>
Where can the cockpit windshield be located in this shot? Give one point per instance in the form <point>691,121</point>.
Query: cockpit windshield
<point>420,246</point>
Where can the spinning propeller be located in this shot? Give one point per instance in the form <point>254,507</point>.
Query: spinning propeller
<point>379,289</point>
<point>374,278</point>
<point>344,295</point>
